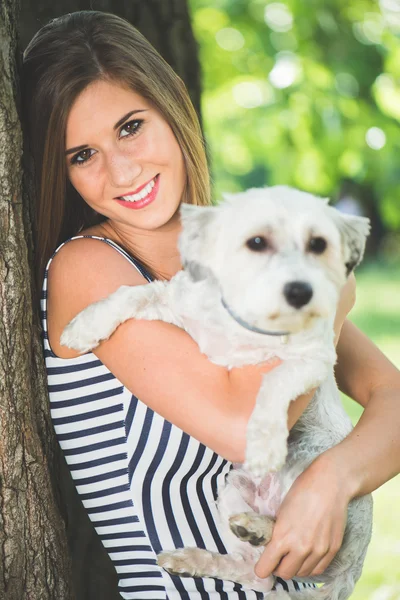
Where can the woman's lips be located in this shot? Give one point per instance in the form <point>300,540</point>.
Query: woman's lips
<point>142,202</point>
<point>142,190</point>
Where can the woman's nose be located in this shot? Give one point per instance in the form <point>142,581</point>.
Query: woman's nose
<point>123,169</point>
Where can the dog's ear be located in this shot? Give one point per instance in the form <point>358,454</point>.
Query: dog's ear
<point>196,236</point>
<point>354,232</point>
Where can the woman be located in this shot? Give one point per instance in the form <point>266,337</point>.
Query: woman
<point>117,148</point>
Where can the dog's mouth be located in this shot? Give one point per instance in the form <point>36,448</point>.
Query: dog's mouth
<point>304,314</point>
<point>294,321</point>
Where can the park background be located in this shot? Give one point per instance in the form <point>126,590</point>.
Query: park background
<point>307,93</point>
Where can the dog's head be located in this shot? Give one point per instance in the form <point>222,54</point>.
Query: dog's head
<point>280,256</point>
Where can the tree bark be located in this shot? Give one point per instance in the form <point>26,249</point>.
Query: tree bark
<point>34,562</point>
<point>48,547</point>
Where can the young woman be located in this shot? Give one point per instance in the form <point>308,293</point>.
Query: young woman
<point>148,425</point>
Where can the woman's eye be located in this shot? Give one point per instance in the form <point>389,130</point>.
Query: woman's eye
<point>130,128</point>
<point>82,157</point>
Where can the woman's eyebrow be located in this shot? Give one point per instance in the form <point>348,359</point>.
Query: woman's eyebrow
<point>118,124</point>
<point>129,114</point>
<point>76,149</point>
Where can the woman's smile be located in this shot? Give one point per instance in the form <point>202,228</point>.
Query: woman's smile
<point>142,196</point>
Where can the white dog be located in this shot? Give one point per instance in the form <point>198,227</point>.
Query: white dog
<point>262,277</point>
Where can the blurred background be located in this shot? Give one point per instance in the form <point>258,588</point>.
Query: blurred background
<point>307,93</point>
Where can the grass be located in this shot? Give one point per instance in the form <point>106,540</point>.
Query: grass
<point>377,314</point>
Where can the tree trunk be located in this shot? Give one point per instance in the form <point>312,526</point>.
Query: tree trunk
<point>34,560</point>
<point>48,547</point>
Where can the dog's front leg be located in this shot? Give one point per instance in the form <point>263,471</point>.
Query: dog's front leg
<point>267,430</point>
<point>100,319</point>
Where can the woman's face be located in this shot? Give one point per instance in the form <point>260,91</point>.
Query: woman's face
<point>123,158</point>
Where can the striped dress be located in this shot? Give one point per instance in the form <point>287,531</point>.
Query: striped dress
<point>146,484</point>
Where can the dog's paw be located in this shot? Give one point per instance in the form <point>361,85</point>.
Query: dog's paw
<point>74,337</point>
<point>257,467</point>
<point>265,455</point>
<point>184,562</point>
<point>93,324</point>
<point>175,562</point>
<point>260,465</point>
<point>252,527</point>
<point>78,336</point>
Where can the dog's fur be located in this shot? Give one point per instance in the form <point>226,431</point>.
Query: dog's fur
<point>247,251</point>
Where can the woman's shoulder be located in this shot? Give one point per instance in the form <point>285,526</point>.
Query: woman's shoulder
<point>84,270</point>
<point>84,251</point>
<point>91,257</point>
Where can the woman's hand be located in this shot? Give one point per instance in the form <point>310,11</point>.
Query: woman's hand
<point>310,523</point>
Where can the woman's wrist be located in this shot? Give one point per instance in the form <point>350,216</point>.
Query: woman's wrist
<point>337,465</point>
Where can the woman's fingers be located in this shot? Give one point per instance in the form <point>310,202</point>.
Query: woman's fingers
<point>286,558</point>
<point>326,560</point>
<point>300,561</point>
<point>322,556</point>
<point>290,565</point>
<point>270,559</point>
<point>311,562</point>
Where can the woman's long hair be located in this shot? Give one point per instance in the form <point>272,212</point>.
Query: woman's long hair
<point>62,59</point>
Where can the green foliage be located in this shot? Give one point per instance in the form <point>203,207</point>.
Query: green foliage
<point>305,93</point>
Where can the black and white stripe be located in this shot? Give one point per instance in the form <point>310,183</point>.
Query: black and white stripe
<point>146,485</point>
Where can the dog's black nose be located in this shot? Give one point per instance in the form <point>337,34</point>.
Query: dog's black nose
<point>298,293</point>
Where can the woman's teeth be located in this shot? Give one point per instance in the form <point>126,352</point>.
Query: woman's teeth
<point>140,195</point>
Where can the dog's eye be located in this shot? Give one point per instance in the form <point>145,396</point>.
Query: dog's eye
<point>258,243</point>
<point>317,245</point>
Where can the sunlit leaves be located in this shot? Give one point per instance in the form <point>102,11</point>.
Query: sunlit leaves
<point>387,95</point>
<point>303,93</point>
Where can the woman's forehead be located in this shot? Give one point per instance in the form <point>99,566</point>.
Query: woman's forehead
<point>102,104</point>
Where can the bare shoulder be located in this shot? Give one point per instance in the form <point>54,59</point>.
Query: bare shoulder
<point>83,271</point>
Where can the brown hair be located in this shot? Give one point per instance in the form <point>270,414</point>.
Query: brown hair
<point>61,60</point>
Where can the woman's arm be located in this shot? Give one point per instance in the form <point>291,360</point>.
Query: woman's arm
<point>372,450</point>
<point>312,518</point>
